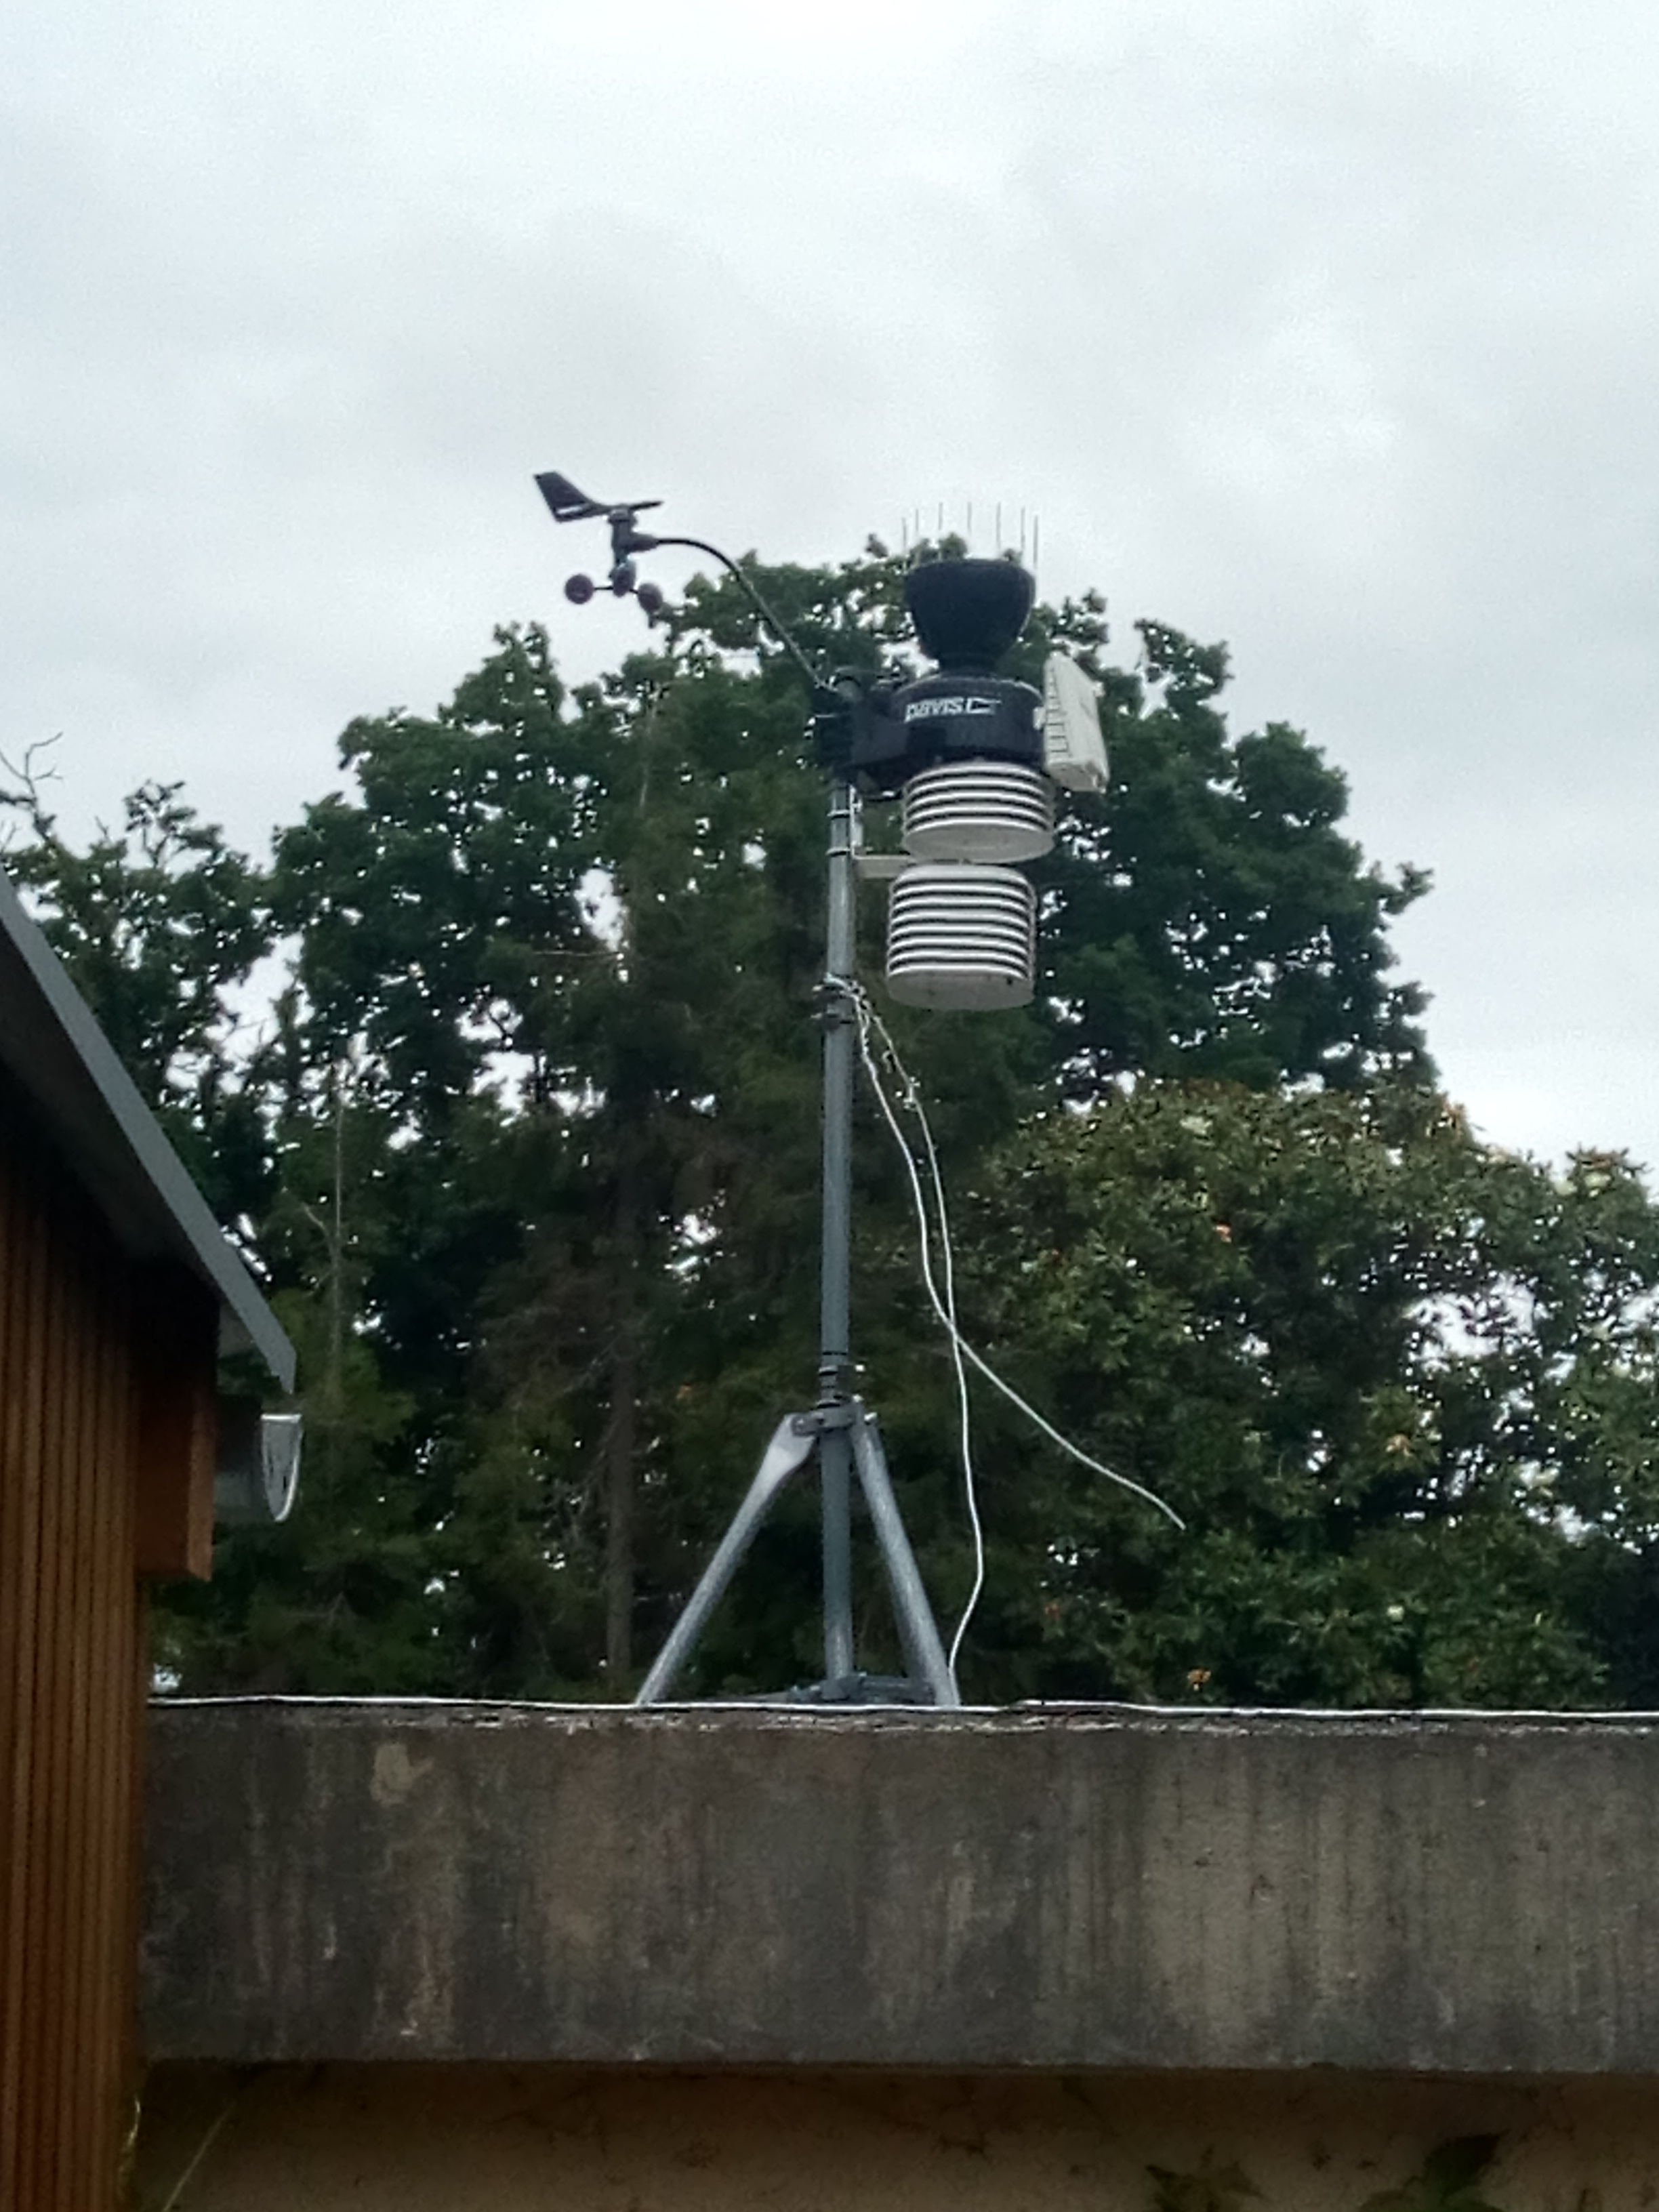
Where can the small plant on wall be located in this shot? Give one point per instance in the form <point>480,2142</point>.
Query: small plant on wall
<point>1210,2189</point>
<point>1446,2182</point>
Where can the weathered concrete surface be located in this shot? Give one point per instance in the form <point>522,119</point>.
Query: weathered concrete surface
<point>1099,1888</point>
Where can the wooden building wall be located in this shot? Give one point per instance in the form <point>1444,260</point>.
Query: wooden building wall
<point>106,1468</point>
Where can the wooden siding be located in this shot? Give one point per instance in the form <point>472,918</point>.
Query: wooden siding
<point>176,1421</point>
<point>75,1399</point>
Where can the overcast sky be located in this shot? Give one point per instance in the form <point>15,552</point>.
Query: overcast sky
<point>1329,329</point>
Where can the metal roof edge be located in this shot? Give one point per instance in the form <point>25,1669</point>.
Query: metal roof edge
<point>56,1053</point>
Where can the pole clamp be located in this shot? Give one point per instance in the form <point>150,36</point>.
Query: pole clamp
<point>833,1003</point>
<point>839,1413</point>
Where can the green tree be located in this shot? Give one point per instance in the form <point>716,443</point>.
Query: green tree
<point>1210,919</point>
<point>160,923</point>
<point>440,908</point>
<point>1196,794</point>
<point>1399,1385</point>
<point>537,1111</point>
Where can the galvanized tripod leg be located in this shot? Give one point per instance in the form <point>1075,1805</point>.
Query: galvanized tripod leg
<point>924,1654</point>
<point>792,1441</point>
<point>839,1428</point>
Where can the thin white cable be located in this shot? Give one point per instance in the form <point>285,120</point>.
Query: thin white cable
<point>867,1012</point>
<point>911,1097</point>
<point>970,1481</point>
<point>945,1308</point>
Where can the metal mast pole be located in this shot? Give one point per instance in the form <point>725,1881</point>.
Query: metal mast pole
<point>835,1451</point>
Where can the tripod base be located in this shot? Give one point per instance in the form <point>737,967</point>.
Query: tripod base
<point>927,1680</point>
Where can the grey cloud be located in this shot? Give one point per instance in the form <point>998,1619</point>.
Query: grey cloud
<point>1328,330</point>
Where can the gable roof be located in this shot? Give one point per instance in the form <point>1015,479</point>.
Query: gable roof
<point>58,1056</point>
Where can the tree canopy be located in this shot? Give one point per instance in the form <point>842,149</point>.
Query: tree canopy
<point>523,1138</point>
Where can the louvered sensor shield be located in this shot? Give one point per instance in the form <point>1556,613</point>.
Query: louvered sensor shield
<point>961,922</point>
<point>961,938</point>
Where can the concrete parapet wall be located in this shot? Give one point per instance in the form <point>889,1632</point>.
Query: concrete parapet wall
<point>1100,1888</point>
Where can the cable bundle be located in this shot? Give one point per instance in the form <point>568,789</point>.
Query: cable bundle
<point>963,1353</point>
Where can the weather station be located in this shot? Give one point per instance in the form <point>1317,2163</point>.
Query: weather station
<point>974,759</point>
